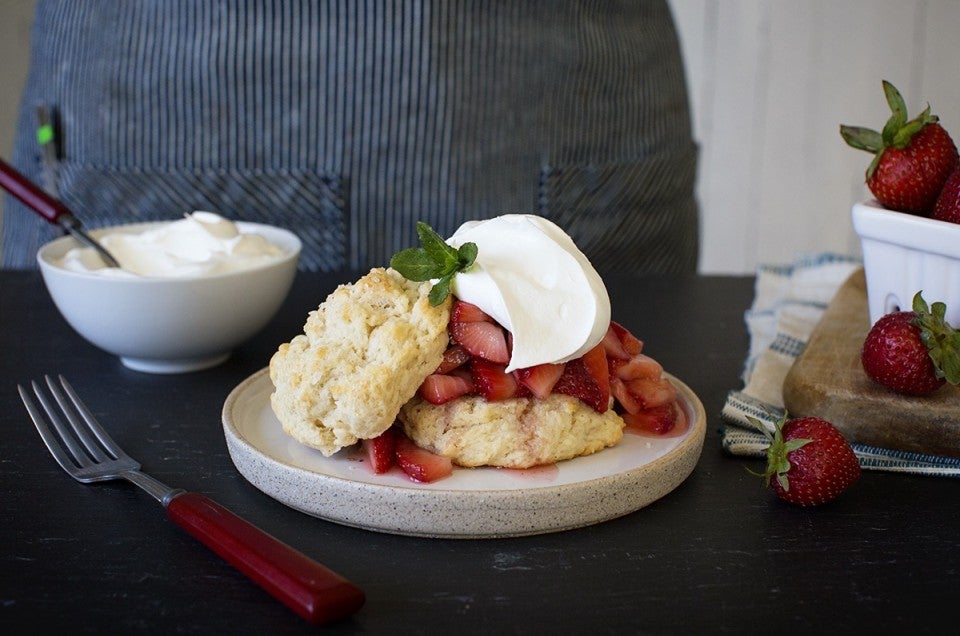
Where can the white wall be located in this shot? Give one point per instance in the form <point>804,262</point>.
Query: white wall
<point>770,83</point>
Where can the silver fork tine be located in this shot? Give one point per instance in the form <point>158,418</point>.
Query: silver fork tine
<point>83,456</point>
<point>50,439</point>
<point>92,425</point>
<point>75,445</point>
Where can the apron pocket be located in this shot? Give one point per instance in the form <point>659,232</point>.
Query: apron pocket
<point>632,216</point>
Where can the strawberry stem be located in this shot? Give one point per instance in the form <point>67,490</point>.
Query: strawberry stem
<point>940,338</point>
<point>897,131</point>
<point>778,465</point>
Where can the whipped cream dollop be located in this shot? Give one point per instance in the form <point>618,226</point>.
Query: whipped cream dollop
<point>200,244</point>
<point>531,278</point>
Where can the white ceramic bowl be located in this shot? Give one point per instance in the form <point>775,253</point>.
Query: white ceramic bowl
<point>170,325</point>
<point>904,254</point>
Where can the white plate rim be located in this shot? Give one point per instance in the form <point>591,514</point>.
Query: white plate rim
<point>432,510</point>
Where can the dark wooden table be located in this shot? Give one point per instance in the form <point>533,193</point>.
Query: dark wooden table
<point>717,555</point>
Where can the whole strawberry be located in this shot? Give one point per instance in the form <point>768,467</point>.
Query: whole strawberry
<point>947,207</point>
<point>808,461</point>
<point>912,159</point>
<point>913,352</point>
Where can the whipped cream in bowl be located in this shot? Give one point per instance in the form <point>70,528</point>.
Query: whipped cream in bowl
<point>531,278</point>
<point>199,244</point>
<point>189,291</point>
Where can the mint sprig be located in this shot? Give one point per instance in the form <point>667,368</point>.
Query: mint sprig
<point>435,259</point>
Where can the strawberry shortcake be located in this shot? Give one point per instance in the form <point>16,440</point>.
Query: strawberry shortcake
<point>492,348</point>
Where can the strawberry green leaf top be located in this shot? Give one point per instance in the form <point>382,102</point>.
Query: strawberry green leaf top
<point>912,158</point>
<point>435,260</point>
<point>940,338</point>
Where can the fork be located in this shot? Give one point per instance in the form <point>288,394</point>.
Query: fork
<point>89,455</point>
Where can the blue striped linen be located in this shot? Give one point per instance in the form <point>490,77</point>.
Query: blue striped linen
<point>789,301</point>
<point>347,122</point>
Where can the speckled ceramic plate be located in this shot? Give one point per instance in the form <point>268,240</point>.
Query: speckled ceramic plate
<point>471,503</point>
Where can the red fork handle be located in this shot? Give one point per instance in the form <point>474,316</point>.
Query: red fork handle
<point>312,591</point>
<point>31,195</point>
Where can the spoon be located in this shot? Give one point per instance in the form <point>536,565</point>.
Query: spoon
<point>49,208</point>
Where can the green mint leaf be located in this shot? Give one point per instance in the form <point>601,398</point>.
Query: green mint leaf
<point>440,290</point>
<point>435,260</point>
<point>467,255</point>
<point>415,264</point>
<point>434,245</point>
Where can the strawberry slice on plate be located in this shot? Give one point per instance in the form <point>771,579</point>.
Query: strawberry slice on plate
<point>420,464</point>
<point>652,392</point>
<point>662,421</point>
<point>381,450</point>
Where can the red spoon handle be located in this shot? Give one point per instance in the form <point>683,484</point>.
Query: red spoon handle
<point>315,593</point>
<point>32,196</point>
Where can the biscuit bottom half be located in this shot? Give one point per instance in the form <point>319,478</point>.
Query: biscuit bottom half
<point>513,433</point>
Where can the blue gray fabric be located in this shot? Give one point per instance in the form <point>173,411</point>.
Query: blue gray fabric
<point>349,121</point>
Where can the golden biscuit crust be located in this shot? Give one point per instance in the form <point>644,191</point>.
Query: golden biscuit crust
<point>364,352</point>
<point>513,433</point>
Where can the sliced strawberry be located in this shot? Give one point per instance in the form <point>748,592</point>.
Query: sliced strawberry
<point>492,381</point>
<point>465,373</point>
<point>381,450</point>
<point>596,363</point>
<point>463,311</point>
<point>540,379</point>
<point>631,343</point>
<point>453,357</point>
<point>420,464</point>
<point>652,392</point>
<point>627,401</point>
<point>639,366</point>
<point>667,419</point>
<point>482,339</point>
<point>438,388</point>
<point>587,379</point>
<point>613,345</point>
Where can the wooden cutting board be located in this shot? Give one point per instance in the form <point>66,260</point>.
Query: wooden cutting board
<point>827,381</point>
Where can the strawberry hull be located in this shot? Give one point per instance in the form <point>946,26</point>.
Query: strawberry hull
<point>904,254</point>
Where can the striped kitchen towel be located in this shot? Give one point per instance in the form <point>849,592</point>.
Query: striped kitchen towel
<point>788,303</point>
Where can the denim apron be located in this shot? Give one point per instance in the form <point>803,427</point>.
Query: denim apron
<point>347,122</point>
